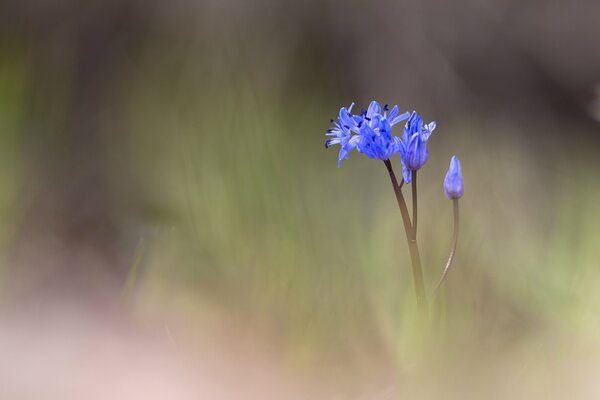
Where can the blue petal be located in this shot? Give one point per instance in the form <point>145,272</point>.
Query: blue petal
<point>331,142</point>
<point>346,119</point>
<point>353,142</point>
<point>374,109</point>
<point>399,118</point>
<point>395,110</point>
<point>385,126</point>
<point>428,129</point>
<point>374,122</point>
<point>406,174</point>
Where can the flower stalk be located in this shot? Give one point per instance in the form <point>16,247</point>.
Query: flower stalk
<point>413,247</point>
<point>453,249</point>
<point>370,133</point>
<point>454,190</point>
<point>414,204</point>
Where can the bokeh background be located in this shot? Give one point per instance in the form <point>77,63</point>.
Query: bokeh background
<point>172,226</point>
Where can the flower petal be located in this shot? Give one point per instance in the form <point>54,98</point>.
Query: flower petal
<point>374,109</point>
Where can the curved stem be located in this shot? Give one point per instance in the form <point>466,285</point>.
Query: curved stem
<point>414,203</point>
<point>412,242</point>
<point>453,250</point>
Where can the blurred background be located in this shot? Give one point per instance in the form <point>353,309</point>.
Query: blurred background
<point>172,226</point>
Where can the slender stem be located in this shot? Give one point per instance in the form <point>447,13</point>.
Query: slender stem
<point>414,203</point>
<point>412,242</point>
<point>453,250</point>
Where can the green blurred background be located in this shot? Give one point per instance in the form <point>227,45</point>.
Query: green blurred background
<point>168,157</point>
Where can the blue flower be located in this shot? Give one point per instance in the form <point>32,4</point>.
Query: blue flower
<point>342,131</point>
<point>370,133</point>
<point>413,152</point>
<point>453,183</point>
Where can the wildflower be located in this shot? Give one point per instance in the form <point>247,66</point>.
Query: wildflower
<point>414,151</point>
<point>453,183</point>
<point>370,133</point>
<point>342,131</point>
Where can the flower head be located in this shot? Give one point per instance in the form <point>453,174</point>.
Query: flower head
<point>453,183</point>
<point>414,151</point>
<point>370,132</point>
<point>342,133</point>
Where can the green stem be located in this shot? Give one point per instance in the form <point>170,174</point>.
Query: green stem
<point>453,250</point>
<point>412,242</point>
<point>414,203</point>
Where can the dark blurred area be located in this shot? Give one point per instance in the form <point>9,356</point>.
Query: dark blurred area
<point>160,158</point>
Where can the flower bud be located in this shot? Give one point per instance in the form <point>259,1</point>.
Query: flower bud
<point>414,152</point>
<point>453,183</point>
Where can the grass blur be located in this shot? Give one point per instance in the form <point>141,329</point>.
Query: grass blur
<point>262,226</point>
<point>240,218</point>
<point>12,91</point>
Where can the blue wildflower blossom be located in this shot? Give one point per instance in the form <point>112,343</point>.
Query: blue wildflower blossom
<point>343,130</point>
<point>453,183</point>
<point>413,152</point>
<point>370,133</point>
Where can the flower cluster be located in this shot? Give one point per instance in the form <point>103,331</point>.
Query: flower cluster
<point>370,133</point>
